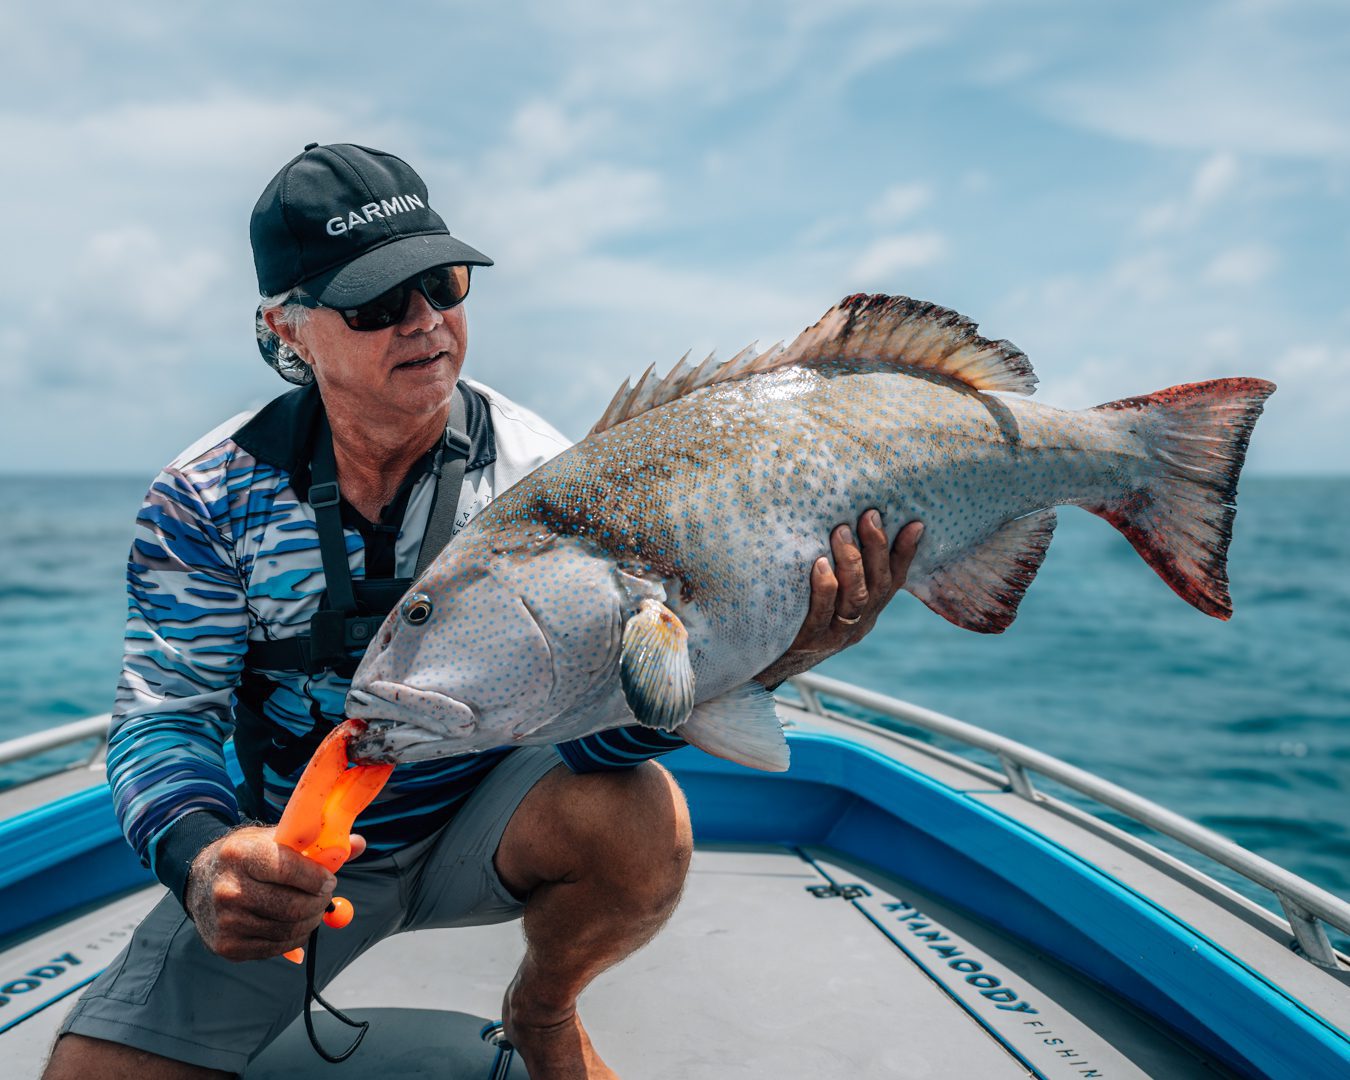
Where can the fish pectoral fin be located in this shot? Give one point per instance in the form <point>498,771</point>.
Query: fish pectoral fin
<point>980,590</point>
<point>741,725</point>
<point>658,680</point>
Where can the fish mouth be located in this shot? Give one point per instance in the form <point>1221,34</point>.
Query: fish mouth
<point>404,723</point>
<point>387,743</point>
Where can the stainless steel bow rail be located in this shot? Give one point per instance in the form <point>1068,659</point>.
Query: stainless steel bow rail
<point>1305,905</point>
<point>39,742</point>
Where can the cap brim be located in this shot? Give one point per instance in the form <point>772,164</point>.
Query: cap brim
<point>364,278</point>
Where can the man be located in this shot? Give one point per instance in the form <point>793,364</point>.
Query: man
<point>234,588</point>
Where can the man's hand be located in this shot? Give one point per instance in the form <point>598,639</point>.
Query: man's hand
<point>252,898</point>
<point>846,600</point>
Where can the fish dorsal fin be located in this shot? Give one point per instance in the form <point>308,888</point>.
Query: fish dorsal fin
<point>913,334</point>
<point>684,378</point>
<point>891,329</point>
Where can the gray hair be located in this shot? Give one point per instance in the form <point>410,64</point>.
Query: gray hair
<point>280,356</point>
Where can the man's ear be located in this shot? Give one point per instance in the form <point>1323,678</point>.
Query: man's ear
<point>283,330</point>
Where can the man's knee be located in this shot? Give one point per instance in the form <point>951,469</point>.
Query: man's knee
<point>628,830</point>
<point>78,1057</point>
<point>637,836</point>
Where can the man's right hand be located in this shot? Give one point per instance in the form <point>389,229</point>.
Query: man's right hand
<point>252,898</point>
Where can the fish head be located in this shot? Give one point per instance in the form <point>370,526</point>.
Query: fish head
<point>491,643</point>
<point>457,665</point>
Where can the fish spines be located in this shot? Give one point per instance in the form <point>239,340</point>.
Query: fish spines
<point>897,331</point>
<point>909,333</point>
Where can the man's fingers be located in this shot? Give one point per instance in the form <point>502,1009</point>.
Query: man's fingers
<point>358,843</point>
<point>902,552</point>
<point>282,905</point>
<point>875,556</point>
<point>848,567</point>
<point>266,860</point>
<point>824,588</point>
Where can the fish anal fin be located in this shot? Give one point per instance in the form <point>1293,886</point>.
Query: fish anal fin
<point>741,725</point>
<point>981,588</point>
<point>654,668</point>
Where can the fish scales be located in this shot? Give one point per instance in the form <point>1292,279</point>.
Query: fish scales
<point>656,566</point>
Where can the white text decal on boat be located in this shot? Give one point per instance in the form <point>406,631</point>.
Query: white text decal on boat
<point>989,986</point>
<point>1033,1012</point>
<point>37,976</point>
<point>982,983</point>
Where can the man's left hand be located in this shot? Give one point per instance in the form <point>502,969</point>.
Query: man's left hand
<point>847,598</point>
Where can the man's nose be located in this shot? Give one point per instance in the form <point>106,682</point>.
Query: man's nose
<point>421,317</point>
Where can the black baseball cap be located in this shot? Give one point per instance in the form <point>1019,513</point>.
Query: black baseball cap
<point>348,223</point>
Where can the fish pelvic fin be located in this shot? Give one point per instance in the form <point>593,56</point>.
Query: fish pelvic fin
<point>741,725</point>
<point>1181,520</point>
<point>654,668</point>
<point>981,587</point>
<point>895,330</point>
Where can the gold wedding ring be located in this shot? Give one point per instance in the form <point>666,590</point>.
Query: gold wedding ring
<point>849,622</point>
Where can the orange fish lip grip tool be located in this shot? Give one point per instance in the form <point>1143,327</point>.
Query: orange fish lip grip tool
<point>317,821</point>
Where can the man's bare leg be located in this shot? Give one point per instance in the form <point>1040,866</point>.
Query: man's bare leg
<point>601,859</point>
<point>78,1057</point>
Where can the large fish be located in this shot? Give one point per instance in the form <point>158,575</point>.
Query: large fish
<point>648,573</point>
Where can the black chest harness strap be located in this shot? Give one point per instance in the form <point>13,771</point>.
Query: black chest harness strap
<point>350,612</point>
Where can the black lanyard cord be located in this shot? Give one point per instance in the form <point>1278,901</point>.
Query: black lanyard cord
<point>312,995</point>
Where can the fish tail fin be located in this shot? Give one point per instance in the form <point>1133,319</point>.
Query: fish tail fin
<point>1181,519</point>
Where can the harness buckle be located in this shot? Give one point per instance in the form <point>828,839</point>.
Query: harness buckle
<point>321,495</point>
<point>459,442</point>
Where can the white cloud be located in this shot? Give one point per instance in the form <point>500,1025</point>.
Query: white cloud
<point>543,225</point>
<point>888,255</point>
<point>1241,78</point>
<point>1314,363</point>
<point>133,274</point>
<point>1213,181</point>
<point>899,203</point>
<point>1245,265</point>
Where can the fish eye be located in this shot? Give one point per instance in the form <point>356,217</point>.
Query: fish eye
<point>416,609</point>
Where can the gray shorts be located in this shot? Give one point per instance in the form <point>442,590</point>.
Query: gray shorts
<point>166,994</point>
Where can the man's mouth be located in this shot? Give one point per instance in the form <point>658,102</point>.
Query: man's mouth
<point>426,361</point>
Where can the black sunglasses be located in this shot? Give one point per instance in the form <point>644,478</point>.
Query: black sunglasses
<point>443,287</point>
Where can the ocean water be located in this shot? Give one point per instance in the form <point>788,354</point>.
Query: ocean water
<point>1243,726</point>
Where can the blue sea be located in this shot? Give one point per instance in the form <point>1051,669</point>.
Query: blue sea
<point>1243,726</point>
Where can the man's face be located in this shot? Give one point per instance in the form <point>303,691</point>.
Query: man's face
<point>405,371</point>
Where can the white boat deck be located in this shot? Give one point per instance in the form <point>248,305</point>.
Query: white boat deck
<point>779,962</point>
<point>755,976</point>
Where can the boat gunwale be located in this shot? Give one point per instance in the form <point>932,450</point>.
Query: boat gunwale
<point>1303,902</point>
<point>1305,905</point>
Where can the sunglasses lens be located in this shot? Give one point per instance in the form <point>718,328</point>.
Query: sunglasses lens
<point>446,286</point>
<point>385,310</point>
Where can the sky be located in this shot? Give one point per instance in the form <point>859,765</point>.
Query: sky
<point>1136,194</point>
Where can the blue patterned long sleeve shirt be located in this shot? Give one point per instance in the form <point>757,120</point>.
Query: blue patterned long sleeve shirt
<point>225,553</point>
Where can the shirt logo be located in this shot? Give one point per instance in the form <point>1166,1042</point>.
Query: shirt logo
<point>399,204</point>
